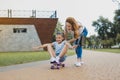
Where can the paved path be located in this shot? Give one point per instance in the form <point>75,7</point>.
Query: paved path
<point>98,66</point>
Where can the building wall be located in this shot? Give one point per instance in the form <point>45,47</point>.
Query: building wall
<point>18,38</point>
<point>39,31</point>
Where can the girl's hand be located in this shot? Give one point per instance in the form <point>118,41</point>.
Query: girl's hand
<point>36,48</point>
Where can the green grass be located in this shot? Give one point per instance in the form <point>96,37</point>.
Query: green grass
<point>108,50</point>
<point>12,58</point>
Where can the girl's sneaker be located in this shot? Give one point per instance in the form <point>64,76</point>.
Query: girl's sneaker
<point>52,60</point>
<point>78,64</point>
<point>57,59</point>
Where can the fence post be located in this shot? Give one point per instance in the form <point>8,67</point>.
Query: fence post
<point>33,13</point>
<point>9,13</point>
<point>55,14</point>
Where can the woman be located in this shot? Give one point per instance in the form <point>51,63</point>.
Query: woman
<point>78,31</point>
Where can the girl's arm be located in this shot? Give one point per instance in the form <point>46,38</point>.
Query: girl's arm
<point>42,46</point>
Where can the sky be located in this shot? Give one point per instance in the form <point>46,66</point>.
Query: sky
<point>85,11</point>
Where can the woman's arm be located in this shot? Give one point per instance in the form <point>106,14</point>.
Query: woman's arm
<point>71,40</point>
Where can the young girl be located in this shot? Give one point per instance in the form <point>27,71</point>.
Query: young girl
<point>78,31</point>
<point>60,45</point>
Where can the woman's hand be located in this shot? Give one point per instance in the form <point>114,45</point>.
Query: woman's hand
<point>69,45</point>
<point>75,46</point>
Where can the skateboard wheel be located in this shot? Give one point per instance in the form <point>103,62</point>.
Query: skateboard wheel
<point>52,67</point>
<point>63,65</point>
<point>58,64</point>
<point>58,67</point>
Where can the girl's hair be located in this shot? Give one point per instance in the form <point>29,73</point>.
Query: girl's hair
<point>75,26</point>
<point>62,34</point>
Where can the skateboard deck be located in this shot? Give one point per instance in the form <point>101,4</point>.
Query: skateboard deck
<point>57,66</point>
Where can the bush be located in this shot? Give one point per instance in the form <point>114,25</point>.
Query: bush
<point>107,43</point>
<point>118,38</point>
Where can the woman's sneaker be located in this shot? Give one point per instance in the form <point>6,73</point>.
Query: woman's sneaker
<point>77,64</point>
<point>82,63</point>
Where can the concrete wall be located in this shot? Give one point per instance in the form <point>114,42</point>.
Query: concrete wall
<point>18,41</point>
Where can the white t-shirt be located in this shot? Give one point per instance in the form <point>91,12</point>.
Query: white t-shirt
<point>58,47</point>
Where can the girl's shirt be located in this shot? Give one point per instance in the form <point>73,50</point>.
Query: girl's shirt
<point>58,47</point>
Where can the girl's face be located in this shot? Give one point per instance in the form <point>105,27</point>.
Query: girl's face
<point>59,38</point>
<point>68,26</point>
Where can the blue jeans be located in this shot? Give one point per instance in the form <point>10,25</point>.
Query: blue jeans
<point>78,51</point>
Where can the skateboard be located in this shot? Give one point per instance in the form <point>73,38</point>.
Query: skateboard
<point>57,66</point>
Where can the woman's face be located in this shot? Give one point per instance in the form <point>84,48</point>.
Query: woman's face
<point>68,26</point>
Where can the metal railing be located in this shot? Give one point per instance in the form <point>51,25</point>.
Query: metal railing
<point>27,14</point>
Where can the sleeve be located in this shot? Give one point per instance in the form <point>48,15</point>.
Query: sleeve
<point>85,32</point>
<point>53,43</point>
<point>64,41</point>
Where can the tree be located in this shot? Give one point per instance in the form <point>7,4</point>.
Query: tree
<point>93,41</point>
<point>103,26</point>
<point>57,29</point>
<point>107,43</point>
<point>108,32</point>
<point>117,22</point>
<point>118,38</point>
